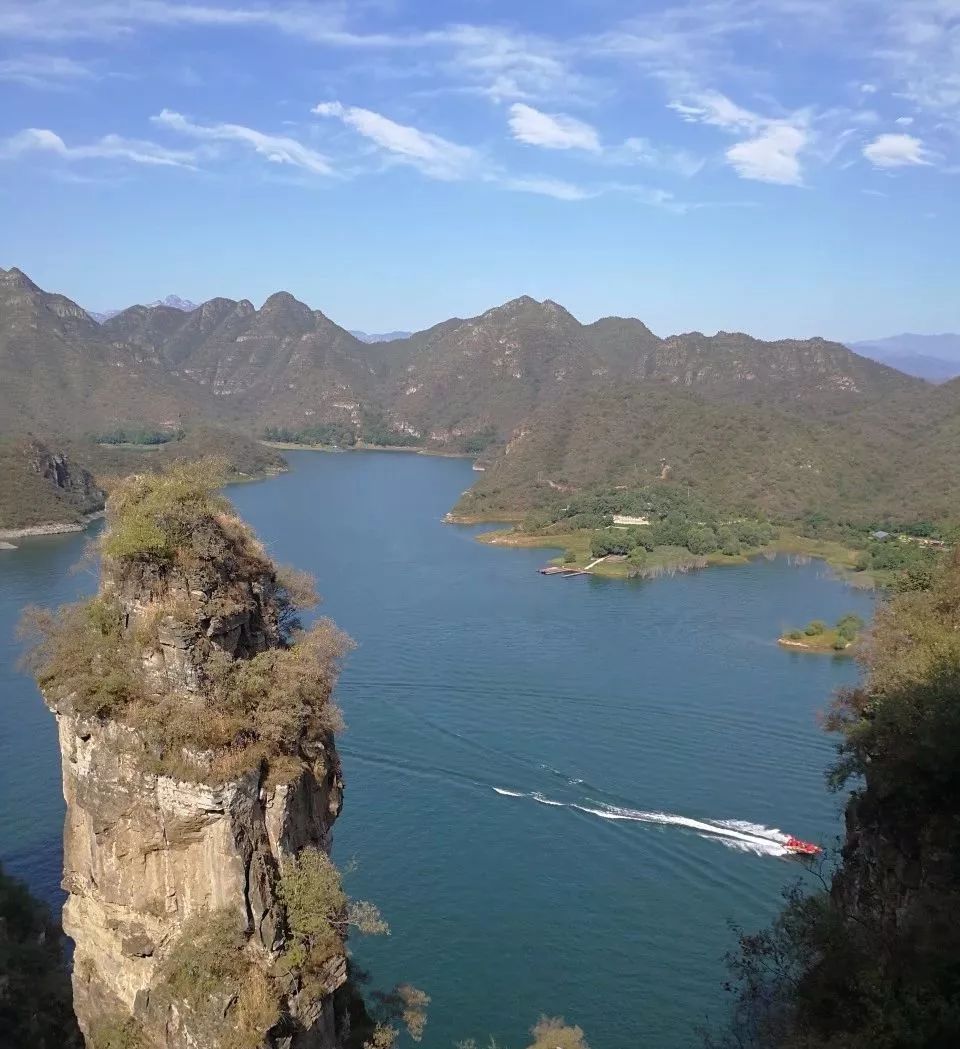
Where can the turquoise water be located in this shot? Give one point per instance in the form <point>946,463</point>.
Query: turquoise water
<point>510,740</point>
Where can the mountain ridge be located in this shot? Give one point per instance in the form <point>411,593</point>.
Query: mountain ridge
<point>477,384</point>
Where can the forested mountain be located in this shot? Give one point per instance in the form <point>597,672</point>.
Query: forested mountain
<point>60,370</point>
<point>743,455</point>
<point>785,425</point>
<point>281,364</point>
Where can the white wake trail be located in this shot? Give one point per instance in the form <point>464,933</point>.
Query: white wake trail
<point>733,833</point>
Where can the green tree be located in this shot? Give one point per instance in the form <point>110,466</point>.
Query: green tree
<point>729,542</point>
<point>701,540</point>
<point>611,541</point>
<point>873,960</point>
<point>849,626</point>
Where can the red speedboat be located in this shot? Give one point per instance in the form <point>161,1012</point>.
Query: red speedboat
<point>801,848</point>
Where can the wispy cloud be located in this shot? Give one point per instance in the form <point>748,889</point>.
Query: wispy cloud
<point>109,147</point>
<point>499,63</point>
<point>896,151</point>
<point>558,189</point>
<point>920,50</point>
<point>43,71</point>
<point>104,19</point>
<point>435,156</point>
<point>551,130</point>
<point>772,151</point>
<point>677,161</point>
<point>508,66</point>
<point>278,149</point>
<point>438,158</point>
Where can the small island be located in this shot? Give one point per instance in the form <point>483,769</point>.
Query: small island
<point>817,636</point>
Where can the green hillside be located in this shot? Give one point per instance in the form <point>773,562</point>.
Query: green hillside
<point>740,456</point>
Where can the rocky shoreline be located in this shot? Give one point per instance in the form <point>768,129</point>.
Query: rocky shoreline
<point>50,528</point>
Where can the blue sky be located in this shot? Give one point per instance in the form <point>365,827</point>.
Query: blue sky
<point>783,167</point>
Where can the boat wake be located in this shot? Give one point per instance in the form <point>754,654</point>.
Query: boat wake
<point>735,834</point>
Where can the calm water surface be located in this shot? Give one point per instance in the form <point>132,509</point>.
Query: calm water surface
<point>521,755</point>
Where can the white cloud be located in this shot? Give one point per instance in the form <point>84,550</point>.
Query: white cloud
<point>711,107</point>
<point>869,89</point>
<point>904,121</point>
<point>771,153</point>
<point>110,147</point>
<point>43,71</point>
<point>896,151</point>
<point>438,158</point>
<point>772,156</point>
<point>551,130</point>
<point>278,149</point>
<point>434,156</point>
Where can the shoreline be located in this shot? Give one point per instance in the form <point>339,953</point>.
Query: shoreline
<point>50,528</point>
<point>361,446</point>
<point>70,527</point>
<point>817,650</point>
<point>839,558</point>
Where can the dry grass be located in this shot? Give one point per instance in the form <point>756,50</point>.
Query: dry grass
<point>172,542</point>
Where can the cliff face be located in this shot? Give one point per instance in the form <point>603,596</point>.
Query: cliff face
<point>144,854</point>
<point>155,857</point>
<point>72,481</point>
<point>41,487</point>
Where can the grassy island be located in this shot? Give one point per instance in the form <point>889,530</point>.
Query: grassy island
<point>658,529</point>
<point>817,636</point>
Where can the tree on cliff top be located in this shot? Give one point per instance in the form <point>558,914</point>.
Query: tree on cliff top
<point>873,962</point>
<point>181,571</point>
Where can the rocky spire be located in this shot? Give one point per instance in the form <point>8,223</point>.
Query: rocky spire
<point>201,775</point>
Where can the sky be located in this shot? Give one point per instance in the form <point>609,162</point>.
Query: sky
<point>781,167</point>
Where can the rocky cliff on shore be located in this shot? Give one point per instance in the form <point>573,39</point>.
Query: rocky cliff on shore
<point>42,490</point>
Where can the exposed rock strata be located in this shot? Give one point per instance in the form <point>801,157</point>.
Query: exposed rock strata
<point>148,856</point>
<point>143,854</point>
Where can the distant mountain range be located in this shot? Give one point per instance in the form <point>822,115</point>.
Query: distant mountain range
<point>935,358</point>
<point>173,301</point>
<point>389,336</point>
<point>932,357</point>
<point>789,426</point>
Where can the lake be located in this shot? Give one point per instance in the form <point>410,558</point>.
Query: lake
<point>560,792</point>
